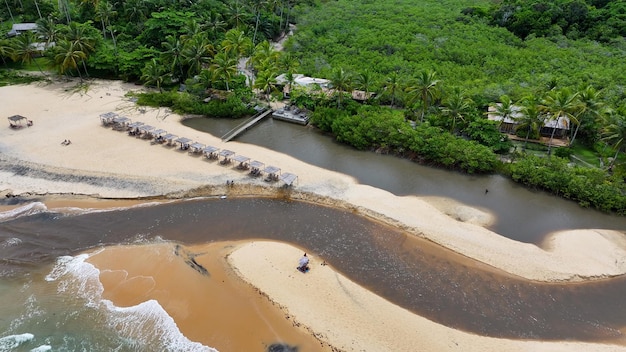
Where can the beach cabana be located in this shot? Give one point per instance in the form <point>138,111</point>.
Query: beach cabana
<point>196,148</point>
<point>255,168</point>
<point>226,155</point>
<point>288,178</point>
<point>243,162</point>
<point>121,123</point>
<point>134,128</point>
<point>107,118</point>
<point>170,138</point>
<point>184,142</point>
<point>158,136</point>
<point>146,131</point>
<point>210,152</point>
<point>272,172</point>
<point>16,121</point>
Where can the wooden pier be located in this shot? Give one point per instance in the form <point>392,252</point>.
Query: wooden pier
<point>245,125</point>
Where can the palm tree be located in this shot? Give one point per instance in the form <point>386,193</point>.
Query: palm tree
<point>504,109</point>
<point>266,82</point>
<point>104,13</point>
<point>530,117</point>
<point>392,86</point>
<point>341,82</point>
<point>237,14</point>
<point>196,53</point>
<point>591,108</point>
<point>614,133</point>
<point>135,11</point>
<point>559,104</point>
<point>9,9</point>
<point>78,35</point>
<point>288,62</point>
<point>236,43</point>
<point>214,24</point>
<point>224,67</point>
<point>6,50</point>
<point>365,81</point>
<point>424,87</point>
<point>153,74</point>
<point>68,56</point>
<point>455,106</point>
<point>64,8</point>
<point>173,56</point>
<point>191,29</point>
<point>48,30</point>
<point>264,53</point>
<point>257,5</point>
<point>24,49</point>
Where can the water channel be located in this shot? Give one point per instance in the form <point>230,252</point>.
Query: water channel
<point>521,214</point>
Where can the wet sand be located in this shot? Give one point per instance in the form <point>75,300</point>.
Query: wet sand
<point>197,288</point>
<point>103,163</point>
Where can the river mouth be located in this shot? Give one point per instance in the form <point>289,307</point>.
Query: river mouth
<point>412,272</point>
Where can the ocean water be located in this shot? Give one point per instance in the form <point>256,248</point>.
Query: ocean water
<point>56,294</point>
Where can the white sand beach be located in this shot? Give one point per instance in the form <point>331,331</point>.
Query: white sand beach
<point>105,163</point>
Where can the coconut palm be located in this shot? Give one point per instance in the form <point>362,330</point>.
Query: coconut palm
<point>424,87</point>
<point>68,56</point>
<point>591,108</point>
<point>530,117</point>
<point>24,49</point>
<point>153,74</point>
<point>104,13</point>
<point>196,53</point>
<point>48,30</point>
<point>191,29</point>
<point>365,82</point>
<point>266,82</point>
<point>456,105</point>
<point>214,24</point>
<point>341,82</point>
<point>257,5</point>
<point>238,14</point>
<point>288,62</point>
<point>559,105</point>
<point>504,109</point>
<point>613,132</point>
<point>78,35</point>
<point>173,56</point>
<point>264,53</point>
<point>392,86</point>
<point>224,67</point>
<point>6,50</point>
<point>135,11</point>
<point>236,43</point>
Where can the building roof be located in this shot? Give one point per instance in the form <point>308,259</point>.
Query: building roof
<point>563,122</point>
<point>302,80</point>
<point>24,27</point>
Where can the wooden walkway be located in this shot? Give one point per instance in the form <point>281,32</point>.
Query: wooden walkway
<point>245,125</point>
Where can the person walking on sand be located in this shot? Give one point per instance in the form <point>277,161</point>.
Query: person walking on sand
<point>303,263</point>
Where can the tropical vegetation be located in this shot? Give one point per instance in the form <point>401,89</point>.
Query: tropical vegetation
<point>428,72</point>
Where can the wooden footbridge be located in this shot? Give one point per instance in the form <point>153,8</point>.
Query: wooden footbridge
<point>245,125</point>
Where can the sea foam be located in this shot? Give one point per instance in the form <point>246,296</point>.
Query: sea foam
<point>24,210</point>
<point>146,326</point>
<point>12,341</point>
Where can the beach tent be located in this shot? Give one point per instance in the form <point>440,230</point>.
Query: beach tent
<point>288,178</point>
<point>16,120</point>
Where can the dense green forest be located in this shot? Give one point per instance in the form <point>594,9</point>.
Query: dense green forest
<point>429,70</point>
